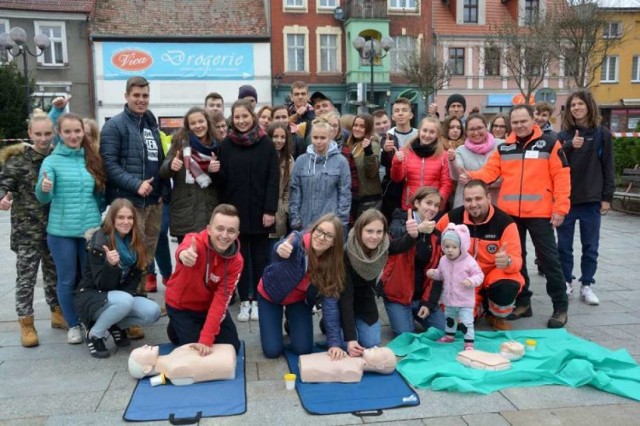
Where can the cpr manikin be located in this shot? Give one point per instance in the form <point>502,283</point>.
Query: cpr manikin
<point>319,368</point>
<point>184,365</point>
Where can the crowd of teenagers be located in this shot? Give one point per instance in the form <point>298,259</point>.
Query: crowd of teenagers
<point>299,210</point>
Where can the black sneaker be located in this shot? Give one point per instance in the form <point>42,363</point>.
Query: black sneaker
<point>96,346</point>
<point>558,318</point>
<point>119,337</point>
<point>520,312</point>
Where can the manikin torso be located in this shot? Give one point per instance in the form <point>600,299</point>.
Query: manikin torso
<point>319,368</point>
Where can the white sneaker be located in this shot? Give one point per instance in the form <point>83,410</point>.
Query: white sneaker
<point>569,288</point>
<point>588,296</point>
<point>75,335</point>
<point>254,311</point>
<point>245,311</point>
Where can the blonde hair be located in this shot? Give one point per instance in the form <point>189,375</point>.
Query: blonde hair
<point>436,123</point>
<point>94,133</point>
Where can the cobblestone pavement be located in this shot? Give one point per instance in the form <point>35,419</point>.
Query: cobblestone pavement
<point>60,384</point>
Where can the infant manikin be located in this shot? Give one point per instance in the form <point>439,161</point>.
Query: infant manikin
<point>184,365</point>
<point>319,368</point>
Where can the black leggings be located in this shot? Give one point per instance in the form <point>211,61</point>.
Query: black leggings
<point>185,327</point>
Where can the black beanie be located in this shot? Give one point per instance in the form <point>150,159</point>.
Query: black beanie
<point>456,97</point>
<point>247,90</point>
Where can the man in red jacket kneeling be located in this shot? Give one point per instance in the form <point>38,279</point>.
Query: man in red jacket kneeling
<point>208,268</point>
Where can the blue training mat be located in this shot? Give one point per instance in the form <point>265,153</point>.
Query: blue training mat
<point>374,393</point>
<point>187,404</point>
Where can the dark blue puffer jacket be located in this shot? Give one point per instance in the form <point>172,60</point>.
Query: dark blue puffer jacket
<point>124,154</point>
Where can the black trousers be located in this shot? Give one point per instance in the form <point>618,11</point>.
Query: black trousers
<point>255,252</point>
<point>185,327</point>
<point>544,241</point>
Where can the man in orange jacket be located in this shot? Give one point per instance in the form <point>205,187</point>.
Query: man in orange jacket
<point>535,192</point>
<point>495,245</point>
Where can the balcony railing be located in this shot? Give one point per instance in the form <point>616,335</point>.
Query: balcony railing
<point>366,9</point>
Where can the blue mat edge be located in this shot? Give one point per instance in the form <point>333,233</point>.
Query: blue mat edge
<point>244,366</point>
<point>365,413</point>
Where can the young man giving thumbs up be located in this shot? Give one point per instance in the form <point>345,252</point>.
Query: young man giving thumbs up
<point>495,244</point>
<point>208,268</point>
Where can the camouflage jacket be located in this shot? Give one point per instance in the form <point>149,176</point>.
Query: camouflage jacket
<point>20,168</point>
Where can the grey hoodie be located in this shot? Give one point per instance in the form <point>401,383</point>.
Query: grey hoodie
<point>319,185</point>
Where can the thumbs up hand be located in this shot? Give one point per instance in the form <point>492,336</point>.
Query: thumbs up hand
<point>285,249</point>
<point>177,163</point>
<point>365,143</point>
<point>47,184</point>
<point>400,155</point>
<point>214,165</point>
<point>189,256</point>
<point>451,154</point>
<point>411,225</point>
<point>427,226</point>
<point>6,202</point>
<point>464,177</point>
<point>578,140</point>
<point>112,256</point>
<point>502,258</point>
<point>145,188</point>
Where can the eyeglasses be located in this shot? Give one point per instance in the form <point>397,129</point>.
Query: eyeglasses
<point>319,233</point>
<point>476,129</point>
<point>221,126</point>
<point>498,126</point>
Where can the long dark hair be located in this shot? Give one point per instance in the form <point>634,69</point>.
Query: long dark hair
<point>368,129</point>
<point>593,114</point>
<point>327,270</point>
<point>367,217</point>
<point>181,138</point>
<point>92,159</point>
<point>109,227</point>
<point>246,105</point>
<point>285,152</point>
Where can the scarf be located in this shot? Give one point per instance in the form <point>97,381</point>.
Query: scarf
<point>369,268</point>
<point>198,157</point>
<point>251,137</point>
<point>423,151</point>
<point>127,257</point>
<point>481,148</point>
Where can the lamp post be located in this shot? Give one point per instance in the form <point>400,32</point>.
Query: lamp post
<point>15,42</point>
<point>369,50</point>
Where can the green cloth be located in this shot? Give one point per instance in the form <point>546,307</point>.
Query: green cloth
<point>560,359</point>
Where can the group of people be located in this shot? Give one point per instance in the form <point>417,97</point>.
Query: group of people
<point>295,208</point>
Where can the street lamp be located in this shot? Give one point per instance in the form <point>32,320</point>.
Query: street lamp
<point>15,42</point>
<point>369,50</point>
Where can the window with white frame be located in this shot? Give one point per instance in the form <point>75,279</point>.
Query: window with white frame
<point>295,5</point>
<point>328,46</point>
<point>403,4</point>
<point>327,4</point>
<point>296,58</point>
<point>456,60</point>
<point>635,69</point>
<point>470,12</point>
<point>56,54</point>
<point>612,30</point>
<point>403,48</point>
<point>531,11</point>
<point>4,28</point>
<point>609,69</point>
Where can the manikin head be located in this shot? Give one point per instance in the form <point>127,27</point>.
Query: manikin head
<point>142,361</point>
<point>379,360</point>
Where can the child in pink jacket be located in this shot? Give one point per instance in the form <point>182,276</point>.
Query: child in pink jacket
<point>460,274</point>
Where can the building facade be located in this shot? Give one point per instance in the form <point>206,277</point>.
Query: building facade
<point>617,89</point>
<point>312,41</point>
<point>65,67</point>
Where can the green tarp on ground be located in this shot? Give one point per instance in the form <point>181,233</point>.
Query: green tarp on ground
<point>560,359</point>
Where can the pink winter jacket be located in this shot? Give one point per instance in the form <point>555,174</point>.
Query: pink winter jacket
<point>453,272</point>
<point>416,171</point>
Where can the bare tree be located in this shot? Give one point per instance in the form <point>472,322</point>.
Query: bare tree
<point>526,50</point>
<point>425,71</point>
<point>584,39</point>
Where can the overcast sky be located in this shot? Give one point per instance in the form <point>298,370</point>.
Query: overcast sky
<point>619,3</point>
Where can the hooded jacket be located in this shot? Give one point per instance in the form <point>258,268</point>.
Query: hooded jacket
<point>319,184</point>
<point>535,176</point>
<point>187,290</point>
<point>20,167</point>
<point>453,272</point>
<point>75,205</point>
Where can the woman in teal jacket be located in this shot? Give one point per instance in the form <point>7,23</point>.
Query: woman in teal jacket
<point>72,180</point>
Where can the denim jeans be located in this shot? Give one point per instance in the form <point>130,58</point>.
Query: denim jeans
<point>368,335</point>
<point>300,327</point>
<point>544,240</point>
<point>163,252</point>
<point>124,310</point>
<point>589,216</point>
<point>70,258</point>
<point>401,317</point>
<point>185,327</point>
